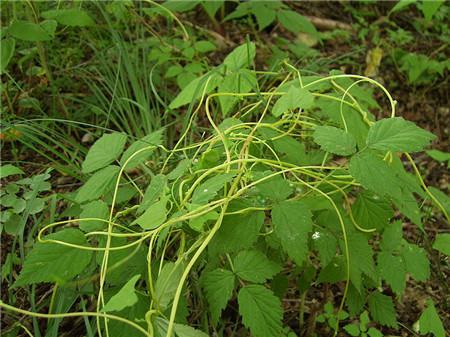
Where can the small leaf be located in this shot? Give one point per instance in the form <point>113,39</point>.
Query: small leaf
<point>209,189</point>
<point>153,139</point>
<point>7,47</point>
<point>9,170</point>
<point>416,262</point>
<point>429,8</point>
<point>382,309</point>
<point>442,243</point>
<point>397,134</point>
<point>295,98</point>
<point>69,17</point>
<point>218,285</point>
<point>104,152</point>
<point>47,261</point>
<point>292,224</point>
<point>261,311</point>
<point>167,282</point>
<point>241,57</point>
<point>352,329</point>
<point>154,216</point>
<point>334,140</point>
<point>126,297</point>
<point>429,321</point>
<point>254,266</point>
<point>296,23</point>
<point>97,185</point>
<point>182,330</point>
<point>28,31</point>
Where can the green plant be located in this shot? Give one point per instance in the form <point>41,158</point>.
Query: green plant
<point>293,178</point>
<point>362,329</point>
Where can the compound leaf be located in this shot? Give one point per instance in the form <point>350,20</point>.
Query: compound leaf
<point>218,285</point>
<point>261,310</point>
<point>47,262</point>
<point>397,134</point>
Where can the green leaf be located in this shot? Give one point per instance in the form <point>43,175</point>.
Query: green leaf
<point>373,332</point>
<point>195,89</point>
<point>238,231</point>
<point>7,47</point>
<point>209,189</point>
<point>69,17</point>
<point>416,262</point>
<point>275,188</point>
<point>264,13</point>
<point>155,138</point>
<point>392,236</point>
<point>429,8</point>
<point>211,7</point>
<point>167,282</point>
<point>442,243</point>
<point>28,31</point>
<point>47,261</point>
<point>218,285</point>
<point>352,329</point>
<point>296,23</point>
<point>126,297</point>
<point>154,216</point>
<point>240,57</point>
<point>374,174</point>
<point>361,258</point>
<point>236,82</point>
<point>182,330</point>
<point>254,266</point>
<point>439,155</point>
<point>392,269</point>
<point>261,311</point>
<point>204,46</point>
<point>443,198</point>
<point>153,192</point>
<point>429,321</point>
<point>334,140</point>
<point>382,309</point>
<point>9,170</point>
<point>371,211</point>
<point>326,244</point>
<point>397,134</point>
<point>104,151</point>
<point>94,209</point>
<point>292,224</point>
<point>101,182</point>
<point>295,98</point>
<point>402,4</point>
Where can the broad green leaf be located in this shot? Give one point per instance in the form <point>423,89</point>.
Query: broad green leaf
<point>397,134</point>
<point>180,6</point>
<point>47,261</point>
<point>236,82</point>
<point>371,211</point>
<point>429,321</point>
<point>361,258</point>
<point>9,170</point>
<point>275,188</point>
<point>154,216</point>
<point>126,297</point>
<point>136,313</point>
<point>264,13</point>
<point>392,237</point>
<point>104,152</point>
<point>218,285</point>
<point>254,266</point>
<point>153,192</point>
<point>373,332</point>
<point>416,262</point>
<point>153,139</point>
<point>199,222</point>
<point>237,231</point>
<point>296,23</point>
<point>374,174</point>
<point>195,89</point>
<point>7,47</point>
<point>101,182</point>
<point>182,330</point>
<point>352,329</point>
<point>382,309</point>
<point>334,272</point>
<point>95,209</point>
<point>429,8</point>
<point>326,244</point>
<point>439,156</point>
<point>69,17</point>
<point>166,284</point>
<point>209,189</point>
<point>261,311</point>
<point>443,198</point>
<point>292,224</point>
<point>28,31</point>
<point>211,7</point>
<point>392,269</point>
<point>295,98</point>
<point>204,46</point>
<point>182,166</point>
<point>334,140</point>
<point>442,243</point>
<point>240,57</point>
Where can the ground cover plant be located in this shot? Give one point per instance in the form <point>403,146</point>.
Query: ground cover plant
<point>256,201</point>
